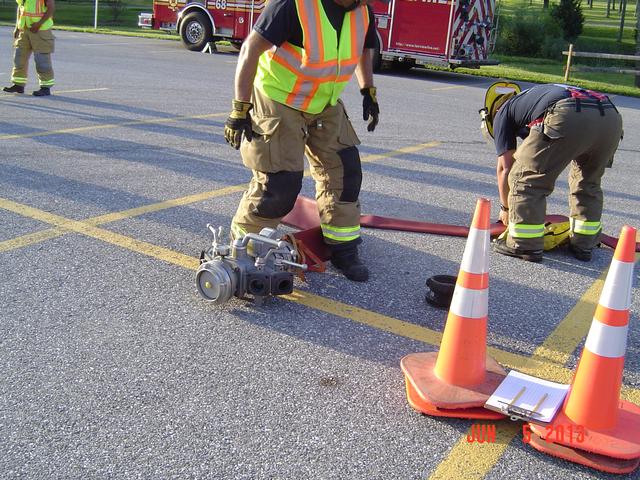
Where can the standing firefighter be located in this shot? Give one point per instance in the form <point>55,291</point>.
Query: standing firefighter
<point>33,34</point>
<point>560,124</point>
<point>291,71</point>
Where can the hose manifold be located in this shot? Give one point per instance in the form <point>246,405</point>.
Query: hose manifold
<point>260,265</point>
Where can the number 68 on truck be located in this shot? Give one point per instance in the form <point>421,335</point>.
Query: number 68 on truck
<point>449,33</point>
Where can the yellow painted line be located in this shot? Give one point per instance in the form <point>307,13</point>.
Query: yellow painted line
<point>545,361</point>
<point>30,239</point>
<point>366,317</point>
<point>357,314</point>
<point>49,234</point>
<point>400,151</point>
<point>156,207</point>
<point>473,461</point>
<point>414,332</point>
<point>393,153</point>
<point>564,339</point>
<point>110,125</point>
<point>466,460</point>
<point>113,238</point>
<point>333,307</point>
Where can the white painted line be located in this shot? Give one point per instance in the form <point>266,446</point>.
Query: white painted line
<point>83,90</point>
<point>56,92</point>
<point>103,44</point>
<point>448,88</point>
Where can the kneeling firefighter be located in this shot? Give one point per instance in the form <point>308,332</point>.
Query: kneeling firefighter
<point>561,125</point>
<point>290,73</point>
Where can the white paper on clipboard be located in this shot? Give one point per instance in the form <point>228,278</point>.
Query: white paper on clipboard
<point>528,398</point>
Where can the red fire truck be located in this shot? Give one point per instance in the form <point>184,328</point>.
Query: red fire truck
<point>450,33</point>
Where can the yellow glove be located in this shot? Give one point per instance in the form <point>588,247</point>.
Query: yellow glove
<point>239,122</point>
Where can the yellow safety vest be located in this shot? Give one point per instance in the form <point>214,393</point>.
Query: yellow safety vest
<point>31,11</point>
<point>310,78</point>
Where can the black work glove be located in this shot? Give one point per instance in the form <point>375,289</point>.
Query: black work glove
<point>370,108</point>
<point>239,122</point>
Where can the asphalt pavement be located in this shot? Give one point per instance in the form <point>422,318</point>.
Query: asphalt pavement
<point>112,366</point>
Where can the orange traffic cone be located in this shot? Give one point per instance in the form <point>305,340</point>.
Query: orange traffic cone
<point>594,427</point>
<point>457,381</point>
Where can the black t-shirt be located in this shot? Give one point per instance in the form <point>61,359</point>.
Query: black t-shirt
<point>279,22</point>
<point>513,117</point>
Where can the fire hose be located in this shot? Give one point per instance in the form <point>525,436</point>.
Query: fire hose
<point>305,217</point>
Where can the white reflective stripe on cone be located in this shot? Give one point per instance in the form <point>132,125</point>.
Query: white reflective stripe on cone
<point>607,341</point>
<point>476,253</point>
<point>616,293</point>
<point>470,303</point>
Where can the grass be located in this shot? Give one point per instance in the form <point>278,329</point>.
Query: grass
<point>599,35</point>
<point>538,70</point>
<point>81,13</point>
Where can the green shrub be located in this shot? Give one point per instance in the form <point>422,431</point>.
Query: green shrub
<point>530,33</point>
<point>570,17</point>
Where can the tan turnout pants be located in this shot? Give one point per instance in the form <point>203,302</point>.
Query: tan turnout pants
<point>42,44</point>
<point>587,140</point>
<point>282,136</point>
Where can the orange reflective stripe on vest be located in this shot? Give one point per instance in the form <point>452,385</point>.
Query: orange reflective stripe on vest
<point>312,77</point>
<point>31,11</point>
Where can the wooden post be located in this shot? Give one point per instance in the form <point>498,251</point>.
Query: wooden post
<point>568,67</point>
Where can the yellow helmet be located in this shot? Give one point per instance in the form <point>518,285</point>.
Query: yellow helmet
<point>497,94</point>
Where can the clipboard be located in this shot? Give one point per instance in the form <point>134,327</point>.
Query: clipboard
<point>527,398</point>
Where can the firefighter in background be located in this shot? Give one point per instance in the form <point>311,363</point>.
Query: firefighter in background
<point>290,73</point>
<point>33,34</point>
<point>561,125</point>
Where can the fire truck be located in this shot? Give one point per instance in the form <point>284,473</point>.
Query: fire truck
<point>453,33</point>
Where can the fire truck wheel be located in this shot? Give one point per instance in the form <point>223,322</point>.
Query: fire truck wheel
<point>195,31</point>
<point>404,66</point>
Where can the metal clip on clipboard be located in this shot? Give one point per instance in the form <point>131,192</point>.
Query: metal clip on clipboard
<point>518,413</point>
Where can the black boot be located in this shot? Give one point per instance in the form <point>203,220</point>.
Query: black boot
<point>582,254</point>
<point>14,89</point>
<point>345,258</point>
<point>500,246</point>
<point>43,92</point>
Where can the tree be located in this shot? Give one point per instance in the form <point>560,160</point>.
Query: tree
<point>570,17</point>
<point>637,44</point>
<point>623,5</point>
<point>117,8</point>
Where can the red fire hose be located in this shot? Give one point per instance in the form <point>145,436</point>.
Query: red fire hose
<point>305,217</point>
